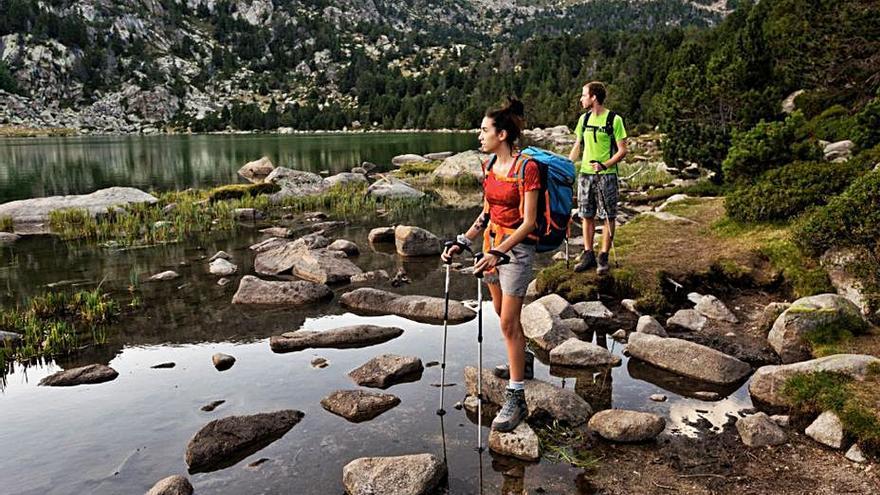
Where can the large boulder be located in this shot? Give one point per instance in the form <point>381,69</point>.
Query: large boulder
<point>758,430</point>
<point>408,158</point>
<point>223,442</point>
<point>345,179</point>
<point>768,381</point>
<point>812,314</point>
<point>387,370</point>
<point>323,266</point>
<point>687,358</point>
<point>521,443</point>
<point>416,241</point>
<point>93,373</point>
<point>543,399</point>
<point>620,425</point>
<point>36,210</point>
<point>580,354</point>
<point>348,337</point>
<point>465,164</point>
<point>542,327</point>
<point>419,308</point>
<point>252,290</point>
<point>712,307</point>
<point>419,474</point>
<point>392,188</point>
<point>172,485</point>
<point>827,430</point>
<point>257,170</point>
<point>295,183</point>
<point>358,405</point>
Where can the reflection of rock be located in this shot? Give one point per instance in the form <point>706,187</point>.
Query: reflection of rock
<point>93,373</point>
<point>687,358</point>
<point>619,425</point>
<point>222,361</point>
<point>677,384</point>
<point>758,430</point>
<point>358,405</point>
<point>7,238</point>
<point>340,338</point>
<point>387,370</point>
<point>521,443</point>
<point>419,474</point>
<point>223,442</point>
<point>768,381</point>
<point>808,314</point>
<point>172,485</point>
<point>419,308</point>
<point>542,398</point>
<point>252,290</point>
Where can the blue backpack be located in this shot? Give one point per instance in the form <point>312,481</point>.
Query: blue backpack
<point>555,198</point>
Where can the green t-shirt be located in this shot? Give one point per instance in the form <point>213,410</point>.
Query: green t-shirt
<point>600,148</point>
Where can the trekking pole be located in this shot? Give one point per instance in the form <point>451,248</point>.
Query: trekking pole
<point>448,263</point>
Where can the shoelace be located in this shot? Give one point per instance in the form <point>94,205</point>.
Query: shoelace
<point>509,405</point>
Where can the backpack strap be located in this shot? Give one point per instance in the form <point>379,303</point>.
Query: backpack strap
<point>609,129</point>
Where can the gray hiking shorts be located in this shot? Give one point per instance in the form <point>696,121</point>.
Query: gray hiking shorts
<point>515,276</point>
<point>597,195</point>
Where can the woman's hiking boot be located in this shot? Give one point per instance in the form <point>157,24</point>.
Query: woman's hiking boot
<point>503,370</point>
<point>586,261</point>
<point>513,411</point>
<point>603,266</point>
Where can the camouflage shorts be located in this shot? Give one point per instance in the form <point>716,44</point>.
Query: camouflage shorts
<point>597,194</point>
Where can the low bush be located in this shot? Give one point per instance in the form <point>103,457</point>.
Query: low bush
<point>833,124</point>
<point>867,125</point>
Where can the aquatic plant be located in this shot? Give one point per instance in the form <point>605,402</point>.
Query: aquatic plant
<point>6,224</point>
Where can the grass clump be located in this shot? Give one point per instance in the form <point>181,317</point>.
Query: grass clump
<point>643,174</point>
<point>856,403</point>
<point>412,169</point>
<point>239,191</point>
<point>6,224</point>
<point>560,444</point>
<point>54,323</point>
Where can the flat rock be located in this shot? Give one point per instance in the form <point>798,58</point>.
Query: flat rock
<point>668,217</point>
<point>414,307</point>
<point>224,442</point>
<point>521,443</point>
<point>687,359</point>
<point>647,324</point>
<point>544,400</point>
<point>347,247</point>
<point>347,337</point>
<point>315,265</point>
<point>419,474</point>
<point>172,485</point>
<point>687,319</point>
<point>222,268</point>
<point>620,425</point>
<point>787,336</point>
<point>381,235</point>
<point>166,275</point>
<point>758,430</point>
<point>358,405</point>
<point>270,243</point>
<point>408,158</point>
<point>257,170</point>
<point>440,155</point>
<point>252,290</point>
<point>768,381</point>
<point>827,430</point>
<point>387,370</point>
<point>280,232</point>
<point>93,373</point>
<point>36,210</point>
<point>416,241</point>
<point>577,353</point>
<point>222,361</point>
<point>393,188</point>
<point>711,307</point>
<point>543,327</point>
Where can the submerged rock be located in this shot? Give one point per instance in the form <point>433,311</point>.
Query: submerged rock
<point>222,268</point>
<point>372,276</point>
<point>416,241</point>
<point>543,399</point>
<point>687,359</point>
<point>166,275</point>
<point>521,443</point>
<point>252,290</point>
<point>767,383</point>
<point>419,474</point>
<point>223,442</point>
<point>93,373</point>
<point>387,370</point>
<point>619,425</point>
<point>577,353</point>
<point>758,430</point>
<point>347,247</point>
<point>808,314</point>
<point>347,337</point>
<point>172,485</point>
<point>213,405</point>
<point>358,405</point>
<point>419,308</point>
<point>827,430</point>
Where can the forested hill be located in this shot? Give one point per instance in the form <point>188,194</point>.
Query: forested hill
<point>111,66</point>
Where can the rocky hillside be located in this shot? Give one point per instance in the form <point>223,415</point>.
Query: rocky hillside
<point>145,65</point>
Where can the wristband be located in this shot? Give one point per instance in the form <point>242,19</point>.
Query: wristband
<point>463,240</point>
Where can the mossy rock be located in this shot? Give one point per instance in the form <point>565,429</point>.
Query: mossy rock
<point>814,325</point>
<point>238,191</point>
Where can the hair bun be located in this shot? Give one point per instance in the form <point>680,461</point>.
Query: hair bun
<point>516,107</point>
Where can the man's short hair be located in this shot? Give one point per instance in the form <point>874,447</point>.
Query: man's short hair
<point>597,89</point>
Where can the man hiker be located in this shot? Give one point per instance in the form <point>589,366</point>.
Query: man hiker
<point>602,139</point>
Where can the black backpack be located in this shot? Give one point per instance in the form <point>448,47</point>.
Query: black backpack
<point>608,128</point>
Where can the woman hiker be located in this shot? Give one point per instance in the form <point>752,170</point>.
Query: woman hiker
<point>509,218</point>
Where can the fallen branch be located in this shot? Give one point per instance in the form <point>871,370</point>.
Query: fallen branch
<point>658,485</point>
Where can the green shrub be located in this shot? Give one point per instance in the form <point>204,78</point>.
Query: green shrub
<point>766,146</point>
<point>812,103</point>
<point>785,192</point>
<point>850,219</point>
<point>867,125</point>
<point>834,124</point>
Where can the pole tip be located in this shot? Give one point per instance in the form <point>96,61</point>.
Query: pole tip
<point>441,412</point>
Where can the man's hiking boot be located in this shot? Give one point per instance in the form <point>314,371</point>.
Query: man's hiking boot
<point>586,261</point>
<point>503,370</point>
<point>513,411</point>
<point>603,266</point>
